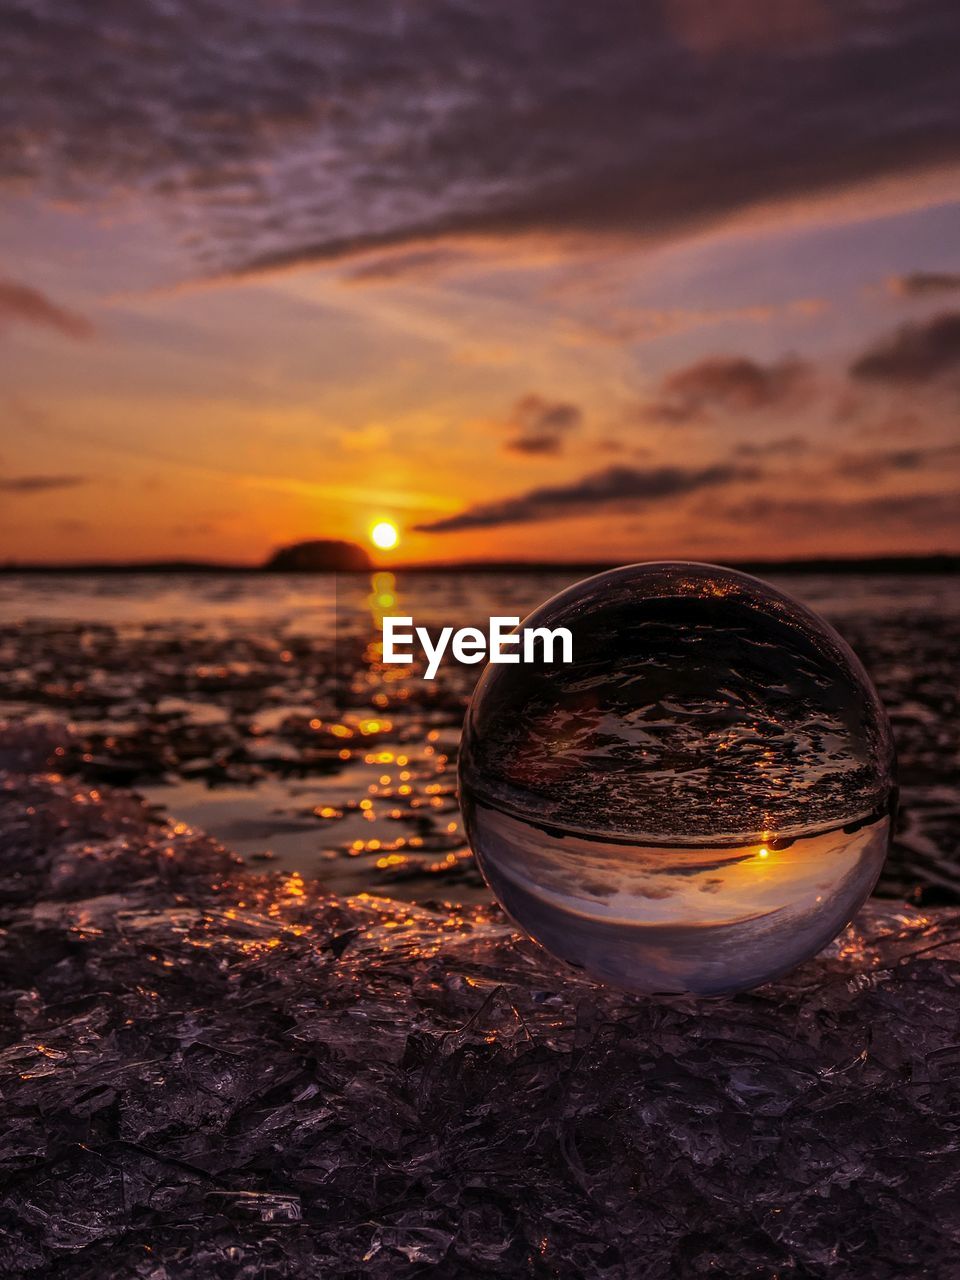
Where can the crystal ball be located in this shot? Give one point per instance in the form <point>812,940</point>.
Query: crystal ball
<point>700,800</point>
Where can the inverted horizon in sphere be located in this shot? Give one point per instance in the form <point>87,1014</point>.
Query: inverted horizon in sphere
<point>700,801</point>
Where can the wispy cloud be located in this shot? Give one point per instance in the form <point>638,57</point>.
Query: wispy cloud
<point>601,490</point>
<point>899,514</point>
<point>20,304</point>
<point>614,324</point>
<point>540,426</point>
<point>881,462</point>
<point>416,265</point>
<point>922,284</point>
<point>782,447</point>
<point>39,484</point>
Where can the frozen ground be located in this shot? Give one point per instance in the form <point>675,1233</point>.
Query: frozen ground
<point>208,1073</point>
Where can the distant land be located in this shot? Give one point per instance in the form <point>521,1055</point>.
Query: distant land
<point>337,556</point>
<point>319,555</point>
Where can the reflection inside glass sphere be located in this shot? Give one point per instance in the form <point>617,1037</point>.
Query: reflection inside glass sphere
<point>701,800</point>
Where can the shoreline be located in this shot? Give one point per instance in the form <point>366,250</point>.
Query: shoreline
<point>937,563</point>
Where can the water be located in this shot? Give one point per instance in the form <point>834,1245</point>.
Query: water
<point>199,691</point>
<point>699,800</point>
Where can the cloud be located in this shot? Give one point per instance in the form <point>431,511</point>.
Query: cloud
<point>20,304</point>
<point>540,426</point>
<point>920,284</point>
<point>39,484</point>
<point>899,514</point>
<point>615,486</point>
<point>416,265</point>
<point>873,466</point>
<point>280,134</point>
<point>713,28</point>
<point>914,353</point>
<point>730,384</point>
<point>783,446</point>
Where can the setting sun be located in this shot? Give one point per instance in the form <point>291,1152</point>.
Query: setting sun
<point>384,535</point>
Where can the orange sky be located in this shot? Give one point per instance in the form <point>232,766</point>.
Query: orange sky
<point>207,362</point>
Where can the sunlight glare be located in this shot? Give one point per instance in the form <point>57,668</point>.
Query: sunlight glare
<point>384,535</point>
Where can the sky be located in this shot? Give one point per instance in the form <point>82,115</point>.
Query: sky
<point>657,278</point>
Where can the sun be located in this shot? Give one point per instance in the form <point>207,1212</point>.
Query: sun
<point>384,535</point>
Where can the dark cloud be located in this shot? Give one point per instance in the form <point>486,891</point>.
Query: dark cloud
<point>730,384</point>
<point>22,305</point>
<point>920,284</point>
<point>616,486</point>
<point>873,466</point>
<point>302,131</point>
<point>914,353</point>
<point>39,484</point>
<point>536,445</point>
<point>539,426</point>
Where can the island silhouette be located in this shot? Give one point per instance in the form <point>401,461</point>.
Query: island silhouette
<point>319,555</point>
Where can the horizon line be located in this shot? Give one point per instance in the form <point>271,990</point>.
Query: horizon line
<point>929,561</point>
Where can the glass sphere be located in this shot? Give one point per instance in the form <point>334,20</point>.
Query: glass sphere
<point>697,802</point>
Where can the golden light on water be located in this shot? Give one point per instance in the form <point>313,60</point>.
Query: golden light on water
<point>384,535</point>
